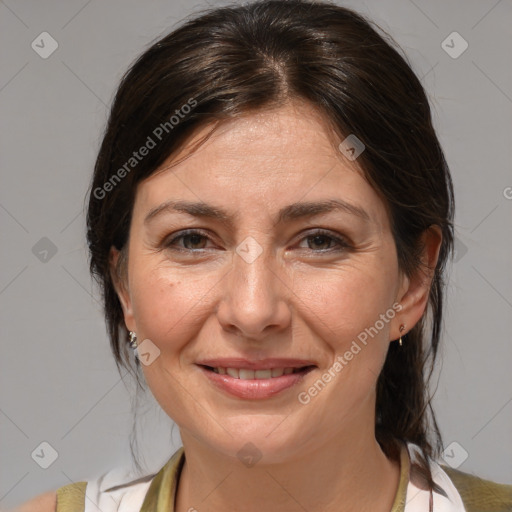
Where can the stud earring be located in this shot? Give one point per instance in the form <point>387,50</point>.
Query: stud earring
<point>402,329</point>
<point>133,340</point>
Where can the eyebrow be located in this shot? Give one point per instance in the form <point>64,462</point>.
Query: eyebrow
<point>291,212</point>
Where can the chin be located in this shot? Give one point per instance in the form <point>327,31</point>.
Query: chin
<point>259,439</point>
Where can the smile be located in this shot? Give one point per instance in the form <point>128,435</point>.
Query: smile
<point>252,384</point>
<point>246,374</point>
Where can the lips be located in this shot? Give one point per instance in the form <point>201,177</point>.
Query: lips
<point>247,379</point>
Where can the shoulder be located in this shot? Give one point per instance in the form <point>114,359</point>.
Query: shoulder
<point>117,489</point>
<point>480,495</point>
<point>95,495</point>
<point>69,498</point>
<point>46,502</point>
<point>453,489</point>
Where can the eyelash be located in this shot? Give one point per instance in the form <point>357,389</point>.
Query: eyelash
<point>341,242</point>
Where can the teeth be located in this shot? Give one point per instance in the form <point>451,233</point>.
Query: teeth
<point>246,374</point>
<point>232,373</point>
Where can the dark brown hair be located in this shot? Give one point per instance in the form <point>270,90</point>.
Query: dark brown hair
<point>230,61</point>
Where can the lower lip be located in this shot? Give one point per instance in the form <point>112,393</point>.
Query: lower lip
<point>254,389</point>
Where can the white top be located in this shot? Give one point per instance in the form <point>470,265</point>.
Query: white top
<point>127,494</point>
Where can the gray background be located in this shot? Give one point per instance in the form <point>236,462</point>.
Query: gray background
<point>58,380</point>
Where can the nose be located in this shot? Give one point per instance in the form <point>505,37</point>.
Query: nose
<point>254,298</point>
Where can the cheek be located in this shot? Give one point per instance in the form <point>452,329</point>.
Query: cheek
<point>351,314</point>
<point>345,302</point>
<point>170,308</point>
<point>166,305</point>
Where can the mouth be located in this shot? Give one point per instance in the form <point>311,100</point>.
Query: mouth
<point>250,374</point>
<point>255,383</point>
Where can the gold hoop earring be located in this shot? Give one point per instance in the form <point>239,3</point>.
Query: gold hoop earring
<point>402,329</point>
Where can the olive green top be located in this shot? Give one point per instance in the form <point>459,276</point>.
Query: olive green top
<point>478,495</point>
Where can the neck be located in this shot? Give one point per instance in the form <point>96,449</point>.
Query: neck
<point>344,474</point>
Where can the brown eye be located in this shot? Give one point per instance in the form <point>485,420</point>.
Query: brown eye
<point>190,240</point>
<point>321,241</point>
<point>194,240</point>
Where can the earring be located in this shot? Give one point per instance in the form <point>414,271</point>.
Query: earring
<point>402,329</point>
<point>133,340</point>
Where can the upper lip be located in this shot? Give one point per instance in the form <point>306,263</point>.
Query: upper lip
<point>261,364</point>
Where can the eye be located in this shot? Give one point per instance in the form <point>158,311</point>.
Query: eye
<point>318,241</point>
<point>323,241</point>
<point>191,239</point>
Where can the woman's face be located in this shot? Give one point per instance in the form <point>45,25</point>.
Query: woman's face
<point>278,249</point>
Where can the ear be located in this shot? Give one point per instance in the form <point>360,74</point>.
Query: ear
<point>118,274</point>
<point>414,290</point>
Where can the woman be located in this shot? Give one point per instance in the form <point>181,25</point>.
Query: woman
<point>269,220</point>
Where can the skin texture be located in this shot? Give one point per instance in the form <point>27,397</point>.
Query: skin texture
<point>302,297</point>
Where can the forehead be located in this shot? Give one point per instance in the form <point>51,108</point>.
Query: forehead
<point>263,160</point>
